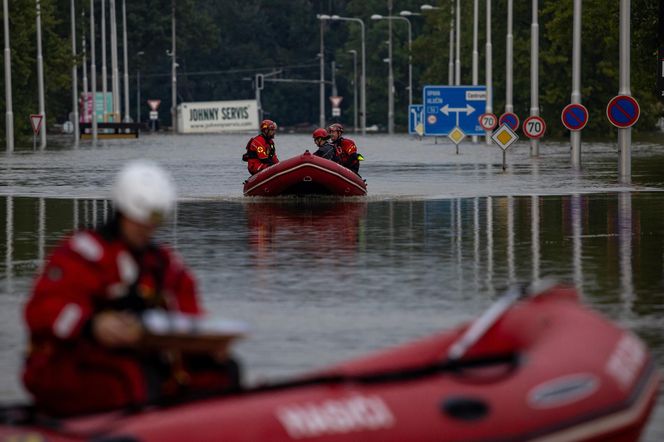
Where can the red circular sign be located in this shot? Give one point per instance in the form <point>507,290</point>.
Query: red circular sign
<point>488,121</point>
<point>574,116</point>
<point>623,111</point>
<point>511,119</point>
<point>534,127</point>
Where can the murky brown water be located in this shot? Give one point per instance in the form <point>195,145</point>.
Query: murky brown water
<point>437,239</point>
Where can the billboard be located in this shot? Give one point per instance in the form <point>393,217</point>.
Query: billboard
<point>218,116</point>
<point>85,107</point>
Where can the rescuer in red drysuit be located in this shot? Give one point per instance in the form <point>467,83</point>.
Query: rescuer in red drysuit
<point>325,149</point>
<point>261,152</point>
<point>84,354</point>
<point>346,148</point>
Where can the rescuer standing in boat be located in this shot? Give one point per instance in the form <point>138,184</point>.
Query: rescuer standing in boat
<point>346,148</point>
<point>85,352</point>
<point>325,148</point>
<point>261,152</point>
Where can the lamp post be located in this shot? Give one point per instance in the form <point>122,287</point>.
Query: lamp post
<point>74,77</point>
<point>363,78</point>
<point>127,117</point>
<point>354,52</point>
<point>410,44</point>
<point>104,73</point>
<point>404,15</point>
<point>115,75</point>
<point>489,68</point>
<point>321,116</point>
<point>93,75</point>
<point>174,81</point>
<point>40,81</point>
<point>9,114</point>
<point>138,89</point>
<point>450,67</point>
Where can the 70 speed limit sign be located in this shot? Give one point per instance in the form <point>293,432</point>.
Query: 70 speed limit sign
<point>534,127</point>
<point>488,121</point>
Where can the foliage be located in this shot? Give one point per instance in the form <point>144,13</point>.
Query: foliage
<point>221,46</point>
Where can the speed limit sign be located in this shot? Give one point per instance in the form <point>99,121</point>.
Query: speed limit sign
<point>488,121</point>
<point>534,127</point>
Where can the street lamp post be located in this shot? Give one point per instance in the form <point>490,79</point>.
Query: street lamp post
<point>93,75</point>
<point>410,45</point>
<point>363,78</point>
<point>127,116</point>
<point>115,75</point>
<point>40,81</point>
<point>354,52</point>
<point>450,67</point>
<point>74,76</point>
<point>404,15</point>
<point>9,114</point>
<point>321,115</point>
<point>174,81</point>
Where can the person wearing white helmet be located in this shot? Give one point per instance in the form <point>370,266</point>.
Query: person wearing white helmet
<point>83,317</point>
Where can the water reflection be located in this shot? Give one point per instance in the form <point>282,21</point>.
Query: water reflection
<point>322,230</point>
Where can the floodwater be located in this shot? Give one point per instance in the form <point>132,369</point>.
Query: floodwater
<point>437,239</point>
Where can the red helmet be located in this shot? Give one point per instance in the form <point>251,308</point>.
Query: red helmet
<point>321,133</point>
<point>335,127</point>
<point>267,125</point>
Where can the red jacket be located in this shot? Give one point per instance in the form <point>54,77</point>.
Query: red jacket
<point>67,371</point>
<point>347,151</point>
<point>261,154</point>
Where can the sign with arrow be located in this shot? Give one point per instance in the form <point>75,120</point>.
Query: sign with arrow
<point>448,107</point>
<point>415,119</point>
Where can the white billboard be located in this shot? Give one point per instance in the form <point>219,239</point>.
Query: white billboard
<point>218,116</point>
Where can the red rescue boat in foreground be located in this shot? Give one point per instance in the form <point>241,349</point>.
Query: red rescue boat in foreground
<point>542,368</point>
<point>305,174</point>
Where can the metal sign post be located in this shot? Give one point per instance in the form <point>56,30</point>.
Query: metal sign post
<point>35,122</point>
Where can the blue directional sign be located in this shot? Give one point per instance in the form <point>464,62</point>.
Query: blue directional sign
<point>415,119</point>
<point>447,107</point>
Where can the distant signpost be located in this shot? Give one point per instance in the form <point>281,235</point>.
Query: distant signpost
<point>416,119</point>
<point>35,122</point>
<point>574,116</point>
<point>623,111</point>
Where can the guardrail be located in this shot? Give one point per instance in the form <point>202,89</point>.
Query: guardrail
<point>110,130</point>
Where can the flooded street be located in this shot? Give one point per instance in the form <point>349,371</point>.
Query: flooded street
<point>438,237</point>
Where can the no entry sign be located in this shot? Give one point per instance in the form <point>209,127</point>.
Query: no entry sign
<point>488,121</point>
<point>534,127</point>
<point>623,111</point>
<point>574,116</point>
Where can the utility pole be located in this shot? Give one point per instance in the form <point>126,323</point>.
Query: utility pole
<point>74,76</point>
<point>104,73</point>
<point>127,117</point>
<point>321,118</point>
<point>534,75</point>
<point>115,76</point>
<point>489,68</point>
<point>174,78</point>
<point>40,81</point>
<point>9,114</point>
<point>509,106</point>
<point>390,76</point>
<point>93,74</point>
<point>575,135</point>
<point>625,134</point>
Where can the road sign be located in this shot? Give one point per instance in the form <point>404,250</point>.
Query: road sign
<point>511,119</point>
<point>416,119</point>
<point>456,136</point>
<point>534,127</point>
<point>35,122</point>
<point>447,107</point>
<point>574,116</point>
<point>336,111</point>
<point>67,127</point>
<point>154,115</point>
<point>154,104</point>
<point>504,137</point>
<point>623,111</point>
<point>335,100</point>
<point>488,121</point>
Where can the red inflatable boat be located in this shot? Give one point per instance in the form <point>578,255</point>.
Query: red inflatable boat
<point>305,174</point>
<point>542,368</point>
